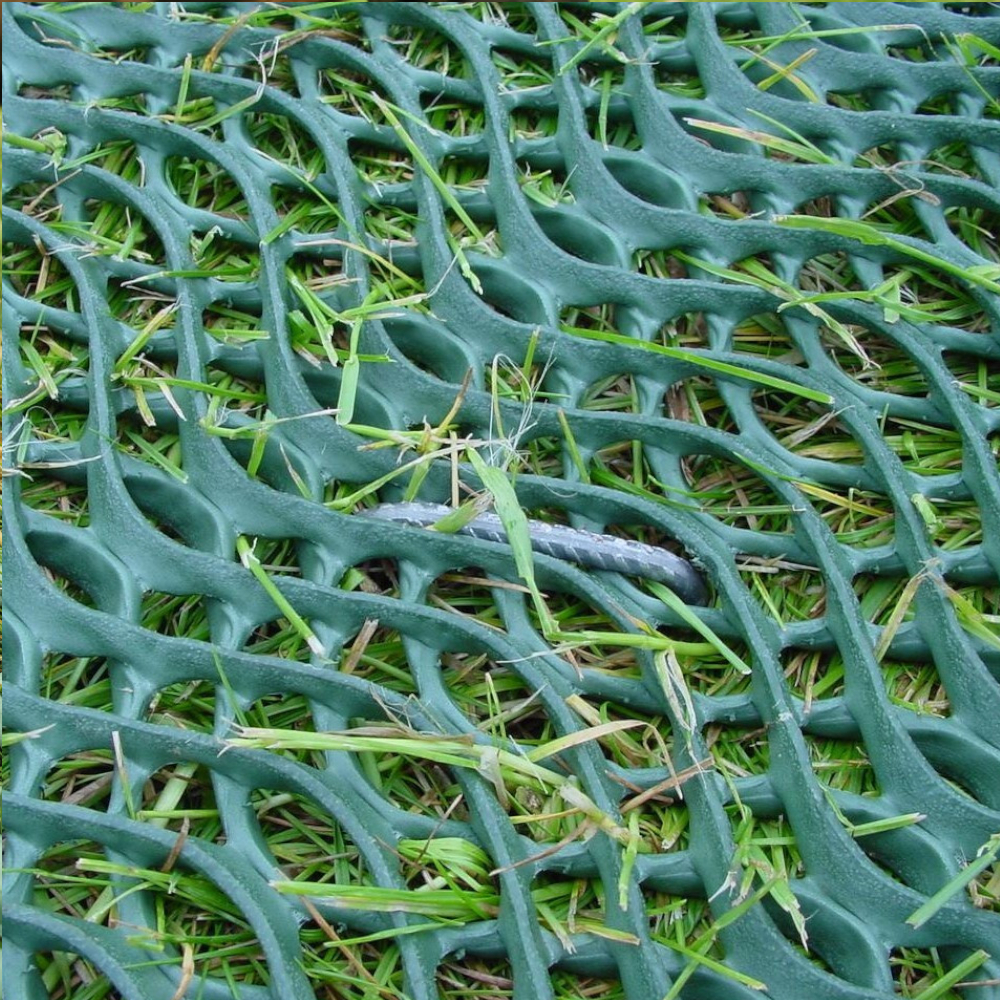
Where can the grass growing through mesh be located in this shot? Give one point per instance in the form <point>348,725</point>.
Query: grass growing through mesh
<point>449,880</point>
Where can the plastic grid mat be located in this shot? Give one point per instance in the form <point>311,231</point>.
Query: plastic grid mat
<point>153,531</point>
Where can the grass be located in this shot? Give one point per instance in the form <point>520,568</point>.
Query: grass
<point>882,262</point>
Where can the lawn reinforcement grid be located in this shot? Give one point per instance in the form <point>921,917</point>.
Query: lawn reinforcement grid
<point>607,219</point>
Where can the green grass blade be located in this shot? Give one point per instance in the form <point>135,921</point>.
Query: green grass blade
<point>252,563</point>
<point>605,32</point>
<point>955,885</point>
<point>954,976</point>
<point>515,523</point>
<point>701,361</point>
<point>983,276</point>
<point>672,601</point>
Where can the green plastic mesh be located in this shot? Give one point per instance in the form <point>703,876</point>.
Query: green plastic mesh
<point>612,220</point>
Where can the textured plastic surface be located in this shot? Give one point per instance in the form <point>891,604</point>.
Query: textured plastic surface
<point>578,254</point>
